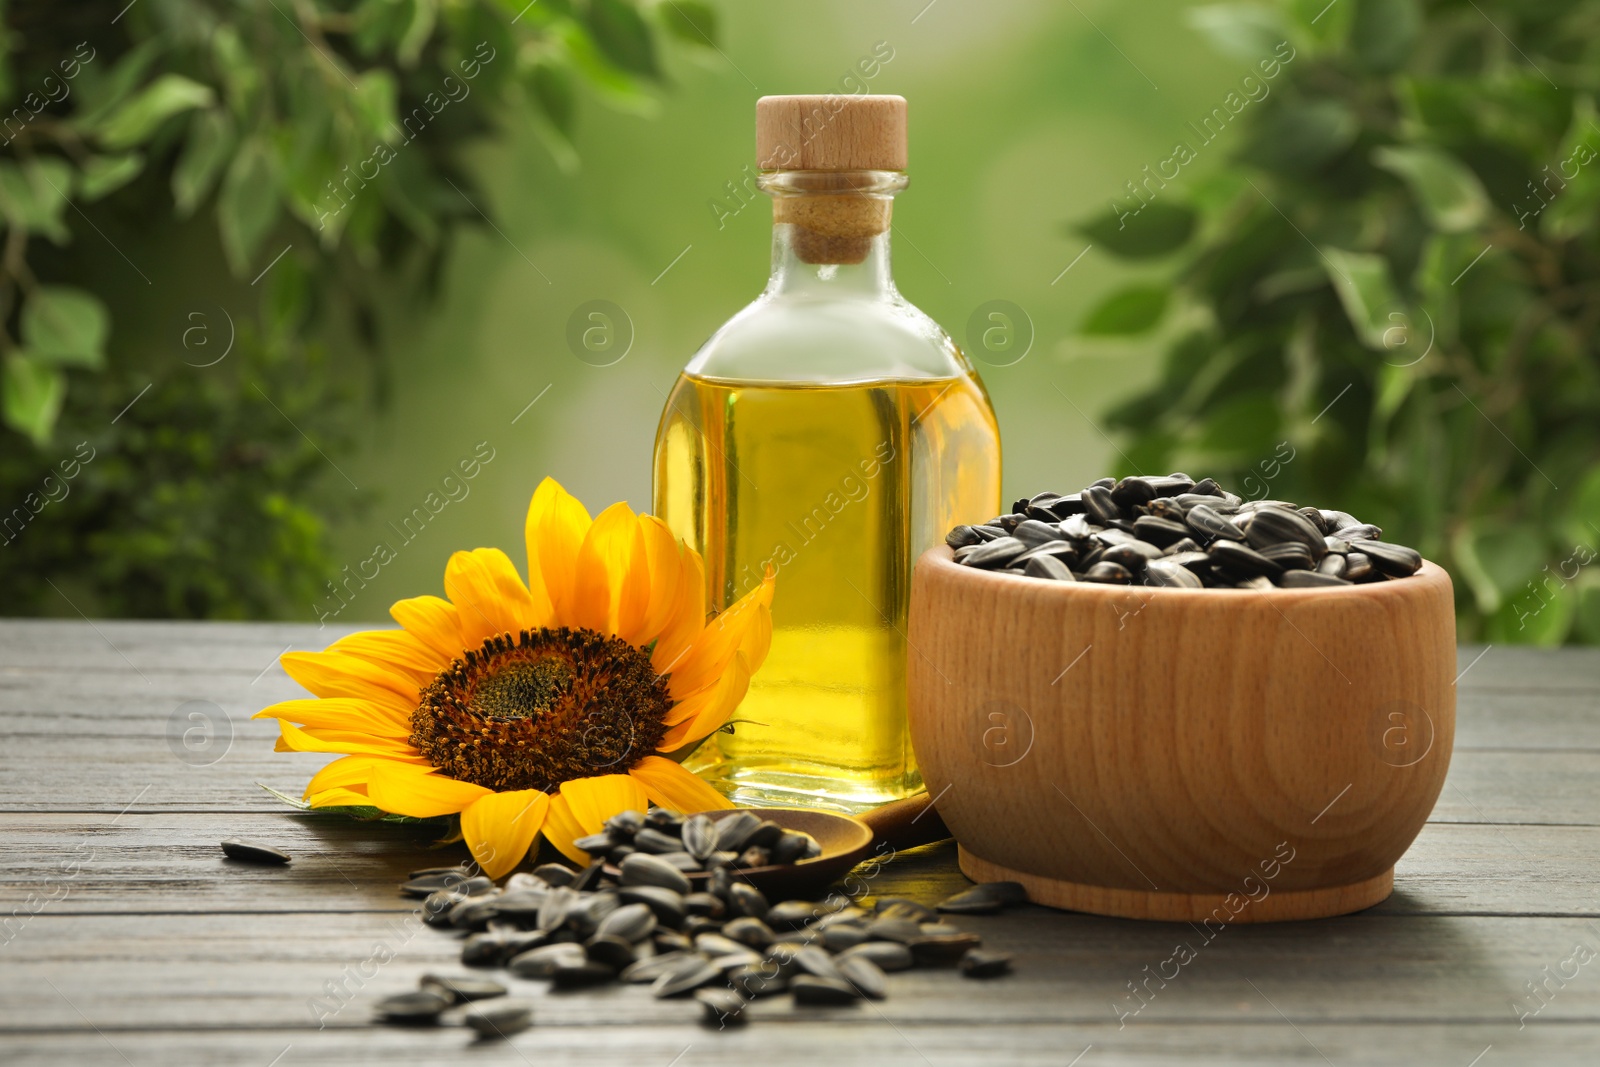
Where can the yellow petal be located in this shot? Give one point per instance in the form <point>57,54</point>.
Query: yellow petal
<point>713,649</point>
<point>334,674</point>
<point>707,711</point>
<point>594,800</point>
<point>432,620</point>
<point>340,713</point>
<point>670,786</point>
<point>555,529</point>
<point>414,791</point>
<point>561,829</point>
<point>611,590</point>
<point>346,772</point>
<point>338,797</point>
<point>488,592</point>
<point>664,558</point>
<point>500,827</point>
<point>688,616</point>
<point>350,742</point>
<point>396,650</point>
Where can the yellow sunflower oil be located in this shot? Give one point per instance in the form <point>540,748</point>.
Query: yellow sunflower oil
<point>831,432</point>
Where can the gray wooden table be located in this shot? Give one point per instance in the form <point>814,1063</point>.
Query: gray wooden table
<point>127,753</point>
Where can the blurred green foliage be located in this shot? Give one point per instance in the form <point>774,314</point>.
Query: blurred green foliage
<point>338,126</point>
<point>1388,301</point>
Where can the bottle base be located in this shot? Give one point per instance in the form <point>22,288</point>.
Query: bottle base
<point>768,789</point>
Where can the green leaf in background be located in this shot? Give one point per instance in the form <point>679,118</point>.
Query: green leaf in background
<point>553,91</point>
<point>691,21</point>
<point>1383,32</point>
<point>248,205</point>
<point>1132,310</point>
<point>623,36</point>
<point>207,149</point>
<point>65,327</point>
<point>134,121</point>
<point>1244,31</point>
<point>1157,229</point>
<point>33,396</point>
<point>34,196</point>
<point>103,175</point>
<point>1297,138</point>
<point>1449,193</point>
<point>1365,290</point>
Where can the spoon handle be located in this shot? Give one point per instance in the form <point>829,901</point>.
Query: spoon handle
<point>906,823</point>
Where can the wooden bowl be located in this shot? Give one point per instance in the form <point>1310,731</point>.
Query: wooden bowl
<point>845,842</point>
<point>1209,755</point>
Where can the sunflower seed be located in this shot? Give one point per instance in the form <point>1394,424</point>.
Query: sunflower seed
<point>612,951</point>
<point>1211,525</point>
<point>723,1007</point>
<point>631,922</point>
<point>1129,493</point>
<point>543,961</point>
<point>644,869</point>
<point>1100,505</point>
<point>596,843</point>
<point>902,930</point>
<point>749,931</point>
<point>733,831</point>
<point>1108,574</point>
<point>746,899</point>
<point>1033,533</point>
<point>462,988</point>
<point>653,967</point>
<point>1290,555</point>
<point>1396,561</point>
<point>664,819</point>
<point>938,949</point>
<point>499,1019</point>
<point>814,960</point>
<point>888,955</point>
<point>1274,525</point>
<point>843,936</point>
<point>962,536</point>
<point>690,974</point>
<point>1333,564</point>
<point>980,964</point>
<point>1158,531</point>
<point>656,841</point>
<point>867,977</point>
<point>708,904</point>
<point>578,975</point>
<point>1164,572</point>
<point>1361,531</point>
<point>557,902</point>
<point>1358,567</point>
<point>587,877</point>
<point>419,1008</point>
<point>791,847</point>
<point>810,990</point>
<point>1241,560</point>
<point>758,981</point>
<point>754,856</point>
<point>246,852</point>
<point>669,907</point>
<point>986,898</point>
<point>993,554</point>
<point>1048,567</point>
<point>700,837</point>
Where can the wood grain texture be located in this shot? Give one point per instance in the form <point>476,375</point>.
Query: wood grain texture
<point>1282,748</point>
<point>139,945</point>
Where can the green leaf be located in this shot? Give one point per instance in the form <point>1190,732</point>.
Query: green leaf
<point>134,121</point>
<point>376,99</point>
<point>552,89</point>
<point>690,20</point>
<point>623,36</point>
<point>210,142</point>
<point>1132,310</point>
<point>248,205</point>
<point>1153,230</point>
<point>104,175</point>
<point>1362,281</point>
<point>65,327</point>
<point>100,90</point>
<point>1383,32</point>
<point>33,396</point>
<point>1244,31</point>
<point>1449,193</point>
<point>1297,138</point>
<point>34,197</point>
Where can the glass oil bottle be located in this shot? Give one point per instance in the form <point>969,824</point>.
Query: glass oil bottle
<point>832,431</point>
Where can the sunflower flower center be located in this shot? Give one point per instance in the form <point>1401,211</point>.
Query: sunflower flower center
<point>542,708</point>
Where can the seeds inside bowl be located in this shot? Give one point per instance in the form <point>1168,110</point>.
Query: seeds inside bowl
<point>697,843</point>
<point>1180,533</point>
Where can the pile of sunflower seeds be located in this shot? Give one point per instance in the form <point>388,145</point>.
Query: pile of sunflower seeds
<point>699,843</point>
<point>1177,532</point>
<point>725,945</point>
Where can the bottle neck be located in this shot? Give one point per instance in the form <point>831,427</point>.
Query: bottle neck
<point>830,232</point>
<point>794,276</point>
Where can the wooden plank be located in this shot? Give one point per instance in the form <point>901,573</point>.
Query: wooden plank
<point>849,1037</point>
<point>305,970</point>
<point>163,863</point>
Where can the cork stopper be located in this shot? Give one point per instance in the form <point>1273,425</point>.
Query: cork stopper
<point>835,210</point>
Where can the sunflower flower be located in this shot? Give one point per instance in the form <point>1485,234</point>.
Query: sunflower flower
<point>538,706</point>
